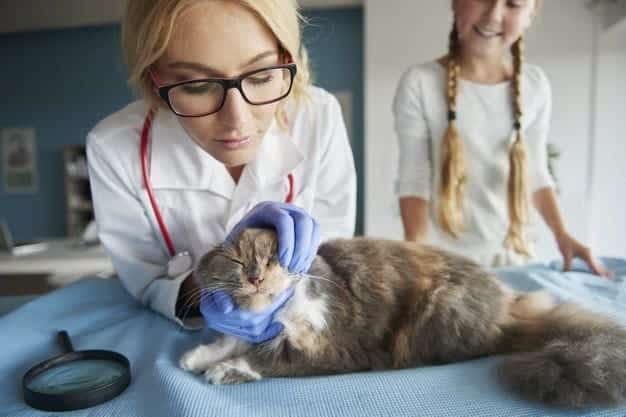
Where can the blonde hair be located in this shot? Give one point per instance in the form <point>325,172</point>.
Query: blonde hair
<point>453,174</point>
<point>148,26</point>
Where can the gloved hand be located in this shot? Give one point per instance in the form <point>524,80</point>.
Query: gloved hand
<point>298,233</point>
<point>220,313</point>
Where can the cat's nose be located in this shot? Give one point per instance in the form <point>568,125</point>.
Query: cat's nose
<point>255,279</point>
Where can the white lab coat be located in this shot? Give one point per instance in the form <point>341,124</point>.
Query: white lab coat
<point>197,197</point>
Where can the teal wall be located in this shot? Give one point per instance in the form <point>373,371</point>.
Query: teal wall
<point>335,43</point>
<point>63,82</point>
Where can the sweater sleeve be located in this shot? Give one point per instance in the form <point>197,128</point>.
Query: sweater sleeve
<point>412,133</point>
<point>136,253</point>
<point>537,136</point>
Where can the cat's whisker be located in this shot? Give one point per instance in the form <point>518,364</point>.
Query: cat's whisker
<point>225,288</point>
<point>203,296</point>
<point>188,296</point>
<point>322,279</point>
<point>194,295</point>
<point>185,312</point>
<point>188,302</point>
<point>189,299</point>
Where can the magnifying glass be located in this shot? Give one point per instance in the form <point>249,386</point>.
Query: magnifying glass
<point>75,379</point>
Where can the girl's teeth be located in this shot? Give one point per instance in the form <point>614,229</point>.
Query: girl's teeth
<point>486,32</point>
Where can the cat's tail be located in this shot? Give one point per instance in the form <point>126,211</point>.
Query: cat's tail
<point>564,355</point>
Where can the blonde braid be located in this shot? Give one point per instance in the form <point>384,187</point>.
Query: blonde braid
<point>518,178</point>
<point>452,184</point>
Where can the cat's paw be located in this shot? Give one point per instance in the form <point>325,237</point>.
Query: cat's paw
<point>234,371</point>
<point>195,360</point>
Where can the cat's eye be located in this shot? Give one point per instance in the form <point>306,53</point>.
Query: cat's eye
<point>236,261</point>
<point>272,260</point>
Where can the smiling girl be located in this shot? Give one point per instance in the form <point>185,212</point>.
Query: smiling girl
<point>472,129</point>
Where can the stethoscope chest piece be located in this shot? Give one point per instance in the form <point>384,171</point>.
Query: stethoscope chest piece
<point>179,264</point>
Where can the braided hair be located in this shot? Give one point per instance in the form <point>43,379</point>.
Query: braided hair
<point>453,171</point>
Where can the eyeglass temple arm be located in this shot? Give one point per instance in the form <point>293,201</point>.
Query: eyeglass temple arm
<point>155,78</point>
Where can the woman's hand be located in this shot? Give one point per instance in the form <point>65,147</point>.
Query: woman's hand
<point>571,248</point>
<point>222,314</point>
<point>298,233</point>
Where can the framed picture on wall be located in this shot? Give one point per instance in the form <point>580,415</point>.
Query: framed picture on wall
<point>19,160</point>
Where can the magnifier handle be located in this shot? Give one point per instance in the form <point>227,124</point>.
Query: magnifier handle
<point>65,341</point>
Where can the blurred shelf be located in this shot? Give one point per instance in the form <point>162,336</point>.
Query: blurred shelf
<point>78,204</point>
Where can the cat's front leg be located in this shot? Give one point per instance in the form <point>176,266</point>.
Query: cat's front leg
<point>232,371</point>
<point>278,359</point>
<point>203,357</point>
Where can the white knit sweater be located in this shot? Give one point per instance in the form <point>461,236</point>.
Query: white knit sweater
<point>485,120</point>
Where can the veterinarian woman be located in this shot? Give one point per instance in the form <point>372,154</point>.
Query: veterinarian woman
<point>227,120</point>
<point>472,128</point>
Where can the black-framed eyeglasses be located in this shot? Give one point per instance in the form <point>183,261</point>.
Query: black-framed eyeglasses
<point>202,97</point>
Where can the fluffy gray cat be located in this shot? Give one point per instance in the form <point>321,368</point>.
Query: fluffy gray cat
<point>377,304</point>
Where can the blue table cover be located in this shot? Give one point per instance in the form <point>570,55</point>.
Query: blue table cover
<point>99,314</point>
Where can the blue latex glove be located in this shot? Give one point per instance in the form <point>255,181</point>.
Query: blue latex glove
<point>220,313</point>
<point>298,233</point>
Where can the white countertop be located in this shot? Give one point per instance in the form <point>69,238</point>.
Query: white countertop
<point>64,259</point>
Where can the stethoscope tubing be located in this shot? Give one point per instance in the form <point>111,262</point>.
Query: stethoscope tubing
<point>143,152</point>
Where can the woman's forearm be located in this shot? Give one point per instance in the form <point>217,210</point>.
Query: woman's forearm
<point>548,206</point>
<point>414,212</point>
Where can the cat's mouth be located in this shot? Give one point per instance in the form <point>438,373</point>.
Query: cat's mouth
<point>258,295</point>
<point>258,290</point>
<point>255,288</point>
<point>254,299</point>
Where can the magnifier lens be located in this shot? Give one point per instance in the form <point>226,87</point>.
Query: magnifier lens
<point>77,376</point>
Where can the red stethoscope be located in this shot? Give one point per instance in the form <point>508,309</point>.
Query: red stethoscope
<point>180,262</point>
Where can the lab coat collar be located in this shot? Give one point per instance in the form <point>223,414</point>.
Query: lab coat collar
<point>265,178</point>
<point>177,162</point>
<point>277,157</point>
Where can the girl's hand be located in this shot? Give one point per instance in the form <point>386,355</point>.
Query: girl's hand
<point>571,248</point>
